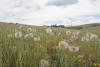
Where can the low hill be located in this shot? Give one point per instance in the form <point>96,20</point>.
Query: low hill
<point>86,26</point>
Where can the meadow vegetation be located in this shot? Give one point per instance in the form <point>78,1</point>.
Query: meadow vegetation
<point>37,46</point>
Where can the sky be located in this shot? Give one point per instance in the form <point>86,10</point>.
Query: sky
<point>49,12</point>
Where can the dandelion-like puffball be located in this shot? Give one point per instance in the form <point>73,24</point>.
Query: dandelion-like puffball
<point>80,56</point>
<point>44,63</point>
<point>73,48</point>
<point>68,32</point>
<point>30,35</point>
<point>18,34</point>
<point>85,39</point>
<point>90,37</point>
<point>93,37</point>
<point>49,30</point>
<point>76,33</point>
<point>36,38</point>
<point>29,30</point>
<point>63,45</point>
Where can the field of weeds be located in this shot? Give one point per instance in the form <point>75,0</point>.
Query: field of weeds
<point>32,46</point>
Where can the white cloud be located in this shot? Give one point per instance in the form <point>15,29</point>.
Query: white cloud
<point>36,12</point>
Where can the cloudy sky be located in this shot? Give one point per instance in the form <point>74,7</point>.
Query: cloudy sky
<point>47,12</point>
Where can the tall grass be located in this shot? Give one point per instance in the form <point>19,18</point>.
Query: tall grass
<point>21,52</point>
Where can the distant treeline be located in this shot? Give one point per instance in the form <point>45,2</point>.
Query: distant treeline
<point>86,26</point>
<point>62,26</point>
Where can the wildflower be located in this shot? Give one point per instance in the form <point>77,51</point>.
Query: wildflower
<point>30,35</point>
<point>90,37</point>
<point>63,45</point>
<point>94,64</point>
<point>98,64</point>
<point>36,38</point>
<point>9,35</point>
<point>79,60</point>
<point>73,48</point>
<point>85,39</point>
<point>80,56</point>
<point>26,36</point>
<point>93,37</point>
<point>68,32</point>
<point>56,47</point>
<point>76,33</point>
<point>44,63</point>
<point>48,30</point>
<point>29,30</point>
<point>18,34</point>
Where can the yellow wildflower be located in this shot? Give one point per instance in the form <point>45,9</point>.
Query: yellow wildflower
<point>79,60</point>
<point>56,47</point>
<point>98,64</point>
<point>94,64</point>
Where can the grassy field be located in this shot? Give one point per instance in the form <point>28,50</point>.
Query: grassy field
<point>35,46</point>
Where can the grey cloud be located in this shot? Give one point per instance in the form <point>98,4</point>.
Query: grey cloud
<point>62,2</point>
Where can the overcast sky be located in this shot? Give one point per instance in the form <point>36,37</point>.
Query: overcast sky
<point>47,12</point>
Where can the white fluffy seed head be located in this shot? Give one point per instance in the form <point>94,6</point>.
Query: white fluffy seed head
<point>44,63</point>
<point>73,49</point>
<point>36,38</point>
<point>30,35</point>
<point>85,39</point>
<point>49,30</point>
<point>63,45</point>
<point>76,33</point>
<point>93,37</point>
<point>18,34</point>
<point>29,30</point>
<point>90,37</point>
<point>68,32</point>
